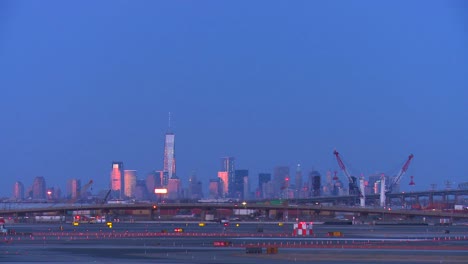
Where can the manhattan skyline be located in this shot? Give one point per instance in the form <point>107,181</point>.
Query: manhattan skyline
<point>269,83</point>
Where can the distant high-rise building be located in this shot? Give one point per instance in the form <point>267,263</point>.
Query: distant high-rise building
<point>169,155</point>
<point>153,181</point>
<point>227,165</point>
<point>280,180</point>
<point>141,192</point>
<point>73,188</point>
<point>194,188</point>
<point>173,189</point>
<point>224,182</point>
<point>165,178</point>
<point>117,181</point>
<point>246,187</point>
<point>268,190</point>
<point>130,180</point>
<point>39,188</point>
<point>298,181</point>
<point>18,191</point>
<point>215,189</point>
<point>58,193</point>
<point>314,183</point>
<point>263,178</point>
<point>317,185</point>
<point>238,190</point>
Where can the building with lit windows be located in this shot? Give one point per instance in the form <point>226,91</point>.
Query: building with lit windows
<point>280,181</point>
<point>153,181</point>
<point>224,183</point>
<point>130,180</point>
<point>227,165</point>
<point>117,181</point>
<point>173,188</point>
<point>169,158</point>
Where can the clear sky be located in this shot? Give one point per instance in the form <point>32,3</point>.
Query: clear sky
<point>84,83</point>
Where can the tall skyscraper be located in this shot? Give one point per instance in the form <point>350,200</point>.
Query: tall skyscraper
<point>227,165</point>
<point>314,183</point>
<point>117,181</point>
<point>173,188</point>
<point>223,182</point>
<point>169,153</point>
<point>298,180</point>
<point>130,180</point>
<point>73,189</point>
<point>153,181</point>
<point>194,188</point>
<point>238,191</point>
<point>141,193</point>
<point>39,188</point>
<point>263,178</point>
<point>215,189</point>
<point>18,191</point>
<point>280,180</point>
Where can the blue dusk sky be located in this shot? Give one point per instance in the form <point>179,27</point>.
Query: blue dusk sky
<point>271,83</point>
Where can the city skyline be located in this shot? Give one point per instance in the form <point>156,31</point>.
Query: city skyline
<point>85,84</point>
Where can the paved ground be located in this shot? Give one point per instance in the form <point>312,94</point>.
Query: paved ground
<point>146,243</point>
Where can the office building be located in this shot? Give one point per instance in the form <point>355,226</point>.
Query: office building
<point>298,181</point>
<point>227,165</point>
<point>153,181</point>
<point>73,188</point>
<point>169,157</point>
<point>141,192</point>
<point>173,188</point>
<point>314,182</point>
<point>194,188</point>
<point>215,188</point>
<point>117,181</point>
<point>39,188</point>
<point>224,182</point>
<point>238,190</point>
<point>18,191</point>
<point>281,181</point>
<point>263,178</point>
<point>130,180</point>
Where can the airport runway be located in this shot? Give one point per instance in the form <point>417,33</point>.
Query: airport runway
<point>157,242</point>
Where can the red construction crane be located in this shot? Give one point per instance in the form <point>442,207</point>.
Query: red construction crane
<point>353,187</point>
<point>396,180</point>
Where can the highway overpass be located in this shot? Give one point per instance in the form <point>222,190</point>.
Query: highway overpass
<point>63,209</point>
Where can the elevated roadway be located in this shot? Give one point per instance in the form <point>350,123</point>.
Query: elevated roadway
<point>63,209</point>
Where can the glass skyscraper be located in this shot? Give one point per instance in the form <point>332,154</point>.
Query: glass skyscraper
<point>117,181</point>
<point>227,165</point>
<point>169,157</point>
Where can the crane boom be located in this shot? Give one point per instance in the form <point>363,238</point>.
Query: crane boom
<point>353,187</point>
<point>342,166</point>
<point>396,180</point>
<point>105,197</point>
<point>82,191</point>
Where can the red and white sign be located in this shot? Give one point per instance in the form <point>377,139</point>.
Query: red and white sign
<point>303,229</point>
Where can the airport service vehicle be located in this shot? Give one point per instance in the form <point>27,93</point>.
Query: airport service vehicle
<point>3,230</point>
